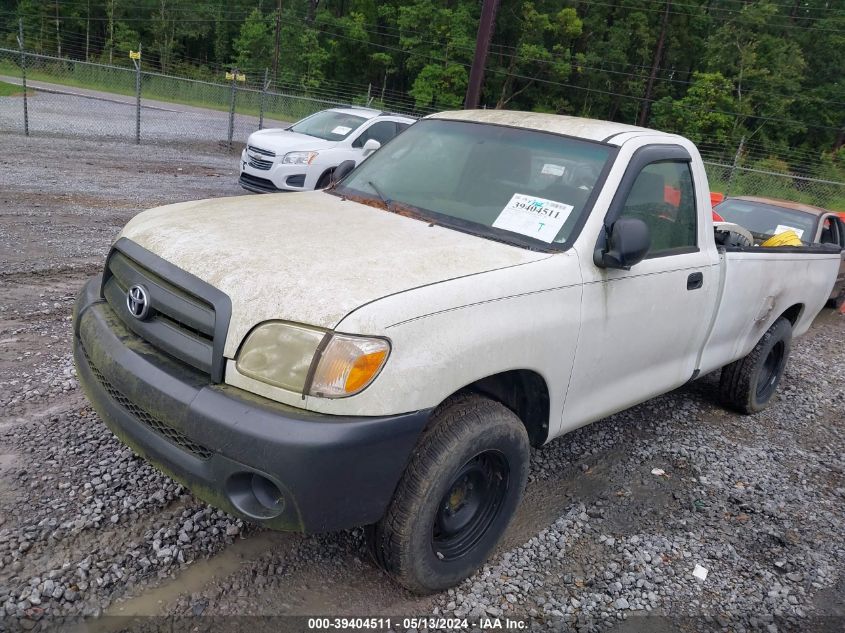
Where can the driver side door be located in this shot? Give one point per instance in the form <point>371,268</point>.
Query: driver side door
<point>642,329</point>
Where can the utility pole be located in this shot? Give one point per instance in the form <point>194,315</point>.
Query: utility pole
<point>276,50</point>
<point>482,45</point>
<point>658,57</point>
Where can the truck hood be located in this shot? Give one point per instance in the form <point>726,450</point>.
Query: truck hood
<point>309,257</point>
<point>282,141</point>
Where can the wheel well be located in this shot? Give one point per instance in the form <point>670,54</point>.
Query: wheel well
<point>525,393</point>
<point>791,314</point>
<point>324,174</point>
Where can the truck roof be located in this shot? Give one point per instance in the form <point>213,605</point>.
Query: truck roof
<point>590,129</point>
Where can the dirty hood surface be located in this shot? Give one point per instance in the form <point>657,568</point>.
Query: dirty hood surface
<point>309,257</point>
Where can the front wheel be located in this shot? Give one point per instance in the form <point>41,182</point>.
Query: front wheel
<point>748,384</point>
<point>463,484</point>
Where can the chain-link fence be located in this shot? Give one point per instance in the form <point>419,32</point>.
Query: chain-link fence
<point>732,180</point>
<point>66,97</point>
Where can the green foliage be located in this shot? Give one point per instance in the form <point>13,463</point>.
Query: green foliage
<point>702,114</point>
<point>254,45</point>
<point>713,70</point>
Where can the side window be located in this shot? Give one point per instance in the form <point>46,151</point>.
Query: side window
<point>831,231</point>
<point>382,131</point>
<point>664,198</point>
<point>401,127</point>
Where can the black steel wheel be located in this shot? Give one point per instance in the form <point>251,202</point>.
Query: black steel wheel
<point>457,496</point>
<point>470,506</point>
<point>748,385</point>
<point>770,371</point>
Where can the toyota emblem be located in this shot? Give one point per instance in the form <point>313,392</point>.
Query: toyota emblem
<point>138,302</point>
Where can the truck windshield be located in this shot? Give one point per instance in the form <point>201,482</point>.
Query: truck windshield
<point>767,219</point>
<point>516,185</point>
<point>328,125</point>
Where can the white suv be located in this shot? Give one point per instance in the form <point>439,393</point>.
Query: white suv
<point>304,155</point>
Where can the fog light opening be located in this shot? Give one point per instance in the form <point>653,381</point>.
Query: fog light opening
<point>255,496</point>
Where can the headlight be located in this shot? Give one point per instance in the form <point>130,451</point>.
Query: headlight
<point>286,355</point>
<point>299,158</point>
<point>280,354</point>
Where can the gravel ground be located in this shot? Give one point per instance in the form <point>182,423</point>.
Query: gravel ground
<point>600,542</point>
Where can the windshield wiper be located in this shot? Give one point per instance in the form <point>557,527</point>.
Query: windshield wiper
<point>383,198</point>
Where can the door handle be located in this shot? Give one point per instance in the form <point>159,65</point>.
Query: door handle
<point>695,281</point>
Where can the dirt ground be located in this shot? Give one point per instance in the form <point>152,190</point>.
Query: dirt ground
<point>599,543</point>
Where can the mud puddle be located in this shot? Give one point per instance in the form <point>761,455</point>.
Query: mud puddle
<point>195,577</point>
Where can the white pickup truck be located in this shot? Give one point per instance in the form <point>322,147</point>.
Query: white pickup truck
<point>384,352</point>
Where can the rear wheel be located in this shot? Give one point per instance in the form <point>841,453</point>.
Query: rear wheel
<point>837,302</point>
<point>748,384</point>
<point>456,497</point>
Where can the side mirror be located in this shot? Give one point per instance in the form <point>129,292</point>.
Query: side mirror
<point>341,171</point>
<point>625,243</point>
<point>370,146</point>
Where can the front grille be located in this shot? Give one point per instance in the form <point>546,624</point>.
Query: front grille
<point>187,318</point>
<point>169,433</point>
<point>263,152</point>
<point>257,163</point>
<point>254,183</point>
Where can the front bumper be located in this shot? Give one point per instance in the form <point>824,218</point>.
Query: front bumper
<point>277,176</point>
<point>286,468</point>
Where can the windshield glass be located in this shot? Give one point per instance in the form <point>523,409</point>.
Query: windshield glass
<point>767,219</point>
<point>328,125</point>
<point>518,185</point>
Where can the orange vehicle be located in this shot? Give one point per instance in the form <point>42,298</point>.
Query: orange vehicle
<point>765,217</point>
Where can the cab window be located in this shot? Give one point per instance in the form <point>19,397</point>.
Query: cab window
<point>664,198</point>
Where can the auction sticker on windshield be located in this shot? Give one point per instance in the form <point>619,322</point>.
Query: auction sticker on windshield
<point>782,228</point>
<point>341,129</point>
<point>535,217</point>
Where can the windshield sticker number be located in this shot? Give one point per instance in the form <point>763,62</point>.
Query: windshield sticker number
<point>550,169</point>
<point>535,217</point>
<point>342,130</point>
<point>782,228</point>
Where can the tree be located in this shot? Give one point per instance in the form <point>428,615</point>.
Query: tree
<point>703,114</point>
<point>440,43</point>
<point>254,45</point>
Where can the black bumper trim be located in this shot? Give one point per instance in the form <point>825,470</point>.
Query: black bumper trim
<point>256,184</point>
<point>169,433</point>
<point>333,472</point>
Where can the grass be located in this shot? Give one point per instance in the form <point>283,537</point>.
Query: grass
<point>9,90</point>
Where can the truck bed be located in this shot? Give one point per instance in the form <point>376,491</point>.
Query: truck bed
<point>766,283</point>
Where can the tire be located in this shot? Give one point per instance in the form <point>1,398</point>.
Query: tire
<point>837,302</point>
<point>457,496</point>
<point>325,180</point>
<point>747,385</point>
